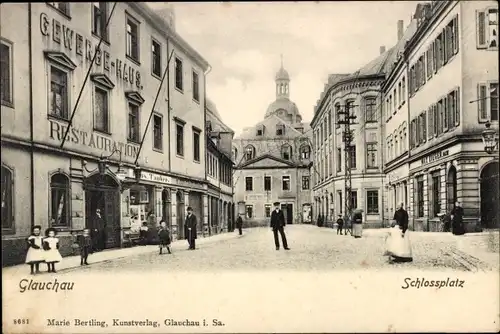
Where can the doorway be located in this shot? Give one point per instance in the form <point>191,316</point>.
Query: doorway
<point>288,211</point>
<point>166,213</point>
<point>102,192</point>
<point>180,215</point>
<point>489,196</point>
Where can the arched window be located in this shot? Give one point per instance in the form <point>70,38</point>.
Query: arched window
<point>249,152</point>
<point>59,194</point>
<point>286,152</point>
<point>305,152</point>
<point>7,199</point>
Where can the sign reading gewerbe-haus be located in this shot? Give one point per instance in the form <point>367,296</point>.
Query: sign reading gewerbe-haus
<point>434,156</point>
<point>71,40</point>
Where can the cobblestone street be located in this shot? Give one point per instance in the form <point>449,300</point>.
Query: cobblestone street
<point>312,248</point>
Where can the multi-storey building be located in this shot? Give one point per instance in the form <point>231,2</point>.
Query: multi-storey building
<point>453,90</point>
<point>72,145</point>
<point>272,161</point>
<point>219,169</point>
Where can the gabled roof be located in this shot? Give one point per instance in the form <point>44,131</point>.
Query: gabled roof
<point>274,162</point>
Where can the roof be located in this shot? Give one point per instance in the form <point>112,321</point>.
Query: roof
<point>267,156</point>
<point>285,103</point>
<point>249,132</point>
<point>282,74</point>
<point>213,115</point>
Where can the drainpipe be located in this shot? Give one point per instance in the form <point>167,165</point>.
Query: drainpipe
<point>32,145</point>
<point>205,143</point>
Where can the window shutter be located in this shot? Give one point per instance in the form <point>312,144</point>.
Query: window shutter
<point>456,39</point>
<point>450,100</point>
<point>434,56</point>
<point>457,106</point>
<point>445,41</point>
<point>424,126</point>
<point>481,42</point>
<point>429,123</point>
<point>481,102</point>
<point>444,102</point>
<point>418,140</point>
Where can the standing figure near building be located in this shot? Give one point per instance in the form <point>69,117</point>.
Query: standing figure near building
<point>278,225</point>
<point>398,242</point>
<point>98,234</point>
<point>191,225</point>
<point>457,217</point>
<point>35,255</point>
<point>239,224</point>
<point>357,223</point>
<point>401,218</point>
<point>85,244</point>
<point>340,224</point>
<point>51,249</point>
<point>143,233</point>
<point>164,237</point>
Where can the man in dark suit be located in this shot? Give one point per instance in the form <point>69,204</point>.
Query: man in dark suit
<point>191,224</point>
<point>239,224</point>
<point>98,232</point>
<point>401,218</point>
<point>278,224</point>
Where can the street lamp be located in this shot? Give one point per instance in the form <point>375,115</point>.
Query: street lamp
<point>490,139</point>
<point>121,173</point>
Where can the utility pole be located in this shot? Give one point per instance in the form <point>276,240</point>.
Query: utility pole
<point>347,138</point>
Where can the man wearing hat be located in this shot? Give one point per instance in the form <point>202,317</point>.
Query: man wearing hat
<point>278,224</point>
<point>191,228</point>
<point>340,224</point>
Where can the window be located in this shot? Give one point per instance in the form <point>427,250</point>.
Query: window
<point>196,145</point>
<point>305,183</point>
<point>429,55</point>
<point>371,155</point>
<point>395,100</point>
<point>487,29</point>
<point>133,123</point>
<point>354,199</point>
<point>259,132</point>
<point>63,7</point>
<point>435,195</point>
<point>156,58</point>
<point>157,132</point>
<point>196,87</point>
<point>403,89</point>
<point>487,103</point>
<point>305,152</point>
<point>59,195</point>
<point>286,152</point>
<point>58,93</point>
<point>132,44</point>
<point>420,196</point>
<point>249,152</point>
<point>99,19</point>
<point>370,110</point>
<point>248,183</point>
<point>352,156</point>
<point>6,73</point>
<point>280,129</point>
<point>372,202</point>
<point>337,116</point>
<point>101,110</point>
<point>7,199</point>
<point>285,183</point>
<point>179,143</point>
<point>178,74</point>
<point>267,210</point>
<point>339,159</point>
<point>249,211</point>
<point>267,183</point>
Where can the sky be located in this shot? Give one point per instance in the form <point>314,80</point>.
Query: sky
<point>243,43</point>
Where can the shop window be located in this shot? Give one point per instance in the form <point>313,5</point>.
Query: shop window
<point>6,73</point>
<point>59,190</point>
<point>372,202</point>
<point>156,58</point>
<point>132,42</point>
<point>133,123</point>
<point>7,199</point>
<point>157,132</point>
<point>99,18</point>
<point>435,194</point>
<point>420,196</point>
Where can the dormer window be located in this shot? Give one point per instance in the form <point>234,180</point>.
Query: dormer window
<point>249,152</point>
<point>280,129</point>
<point>305,152</point>
<point>260,130</point>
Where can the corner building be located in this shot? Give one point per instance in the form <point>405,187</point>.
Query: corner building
<point>52,180</point>
<point>272,162</point>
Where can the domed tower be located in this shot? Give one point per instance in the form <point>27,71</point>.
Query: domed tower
<point>282,82</point>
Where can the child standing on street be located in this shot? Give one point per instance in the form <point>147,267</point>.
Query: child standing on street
<point>51,247</point>
<point>340,224</point>
<point>164,236</point>
<point>35,254</point>
<point>85,243</point>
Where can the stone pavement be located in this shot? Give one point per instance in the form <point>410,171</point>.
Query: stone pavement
<point>71,262</point>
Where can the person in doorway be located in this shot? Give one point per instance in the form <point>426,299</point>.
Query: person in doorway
<point>340,224</point>
<point>85,245</point>
<point>191,225</point>
<point>457,220</point>
<point>98,234</point>
<point>239,224</point>
<point>278,225</point>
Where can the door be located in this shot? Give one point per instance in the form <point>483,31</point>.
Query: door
<point>288,212</point>
<point>111,217</point>
<point>180,216</point>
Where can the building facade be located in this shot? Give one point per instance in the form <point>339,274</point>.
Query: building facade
<point>272,162</point>
<point>219,167</point>
<point>116,150</point>
<point>453,91</point>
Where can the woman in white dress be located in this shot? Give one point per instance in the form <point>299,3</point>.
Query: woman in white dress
<point>398,245</point>
<point>35,254</point>
<point>51,249</point>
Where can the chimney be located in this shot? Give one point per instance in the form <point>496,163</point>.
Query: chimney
<point>400,29</point>
<point>382,49</point>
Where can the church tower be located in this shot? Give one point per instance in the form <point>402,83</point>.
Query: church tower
<point>282,82</point>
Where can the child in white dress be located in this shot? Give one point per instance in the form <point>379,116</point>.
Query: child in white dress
<point>51,249</point>
<point>35,254</point>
